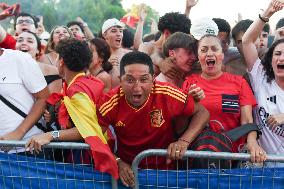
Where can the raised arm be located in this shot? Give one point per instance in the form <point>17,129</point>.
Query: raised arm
<point>189,5</point>
<point>7,11</point>
<point>87,31</point>
<point>139,30</point>
<point>251,35</point>
<point>2,34</point>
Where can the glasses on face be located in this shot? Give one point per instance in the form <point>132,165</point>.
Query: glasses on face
<point>27,21</point>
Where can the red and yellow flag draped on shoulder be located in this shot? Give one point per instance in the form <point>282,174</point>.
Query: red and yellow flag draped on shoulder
<point>79,100</point>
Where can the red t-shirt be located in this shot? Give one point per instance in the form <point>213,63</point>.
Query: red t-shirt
<point>148,127</point>
<point>224,97</point>
<point>9,42</point>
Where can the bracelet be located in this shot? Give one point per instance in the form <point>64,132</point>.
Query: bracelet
<point>181,139</point>
<point>263,19</point>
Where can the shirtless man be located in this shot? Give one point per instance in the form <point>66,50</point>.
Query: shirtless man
<point>112,32</point>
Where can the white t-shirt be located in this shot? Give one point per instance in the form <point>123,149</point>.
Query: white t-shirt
<point>20,76</point>
<point>270,99</point>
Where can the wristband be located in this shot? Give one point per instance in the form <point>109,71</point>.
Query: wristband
<point>181,139</point>
<point>263,19</point>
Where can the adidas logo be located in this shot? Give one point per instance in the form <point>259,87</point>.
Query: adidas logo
<point>272,99</point>
<point>120,124</point>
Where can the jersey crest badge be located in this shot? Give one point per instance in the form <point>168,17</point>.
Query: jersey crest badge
<point>157,119</point>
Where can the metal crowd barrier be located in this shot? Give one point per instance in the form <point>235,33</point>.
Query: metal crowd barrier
<point>254,176</point>
<point>63,165</point>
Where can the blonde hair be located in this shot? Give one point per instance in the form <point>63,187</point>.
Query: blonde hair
<point>50,46</point>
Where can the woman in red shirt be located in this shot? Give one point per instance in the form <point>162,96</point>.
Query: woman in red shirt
<point>228,98</point>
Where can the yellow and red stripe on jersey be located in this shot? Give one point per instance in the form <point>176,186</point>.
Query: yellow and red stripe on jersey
<point>168,90</point>
<point>107,106</point>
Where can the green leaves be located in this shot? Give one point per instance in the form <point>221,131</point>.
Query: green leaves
<point>59,12</point>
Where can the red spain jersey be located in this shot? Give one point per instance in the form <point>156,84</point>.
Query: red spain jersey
<point>224,97</point>
<point>150,126</point>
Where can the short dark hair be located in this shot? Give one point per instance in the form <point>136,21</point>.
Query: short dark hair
<point>174,22</point>
<point>223,25</point>
<point>266,61</point>
<point>136,57</point>
<point>280,23</point>
<point>76,54</point>
<point>180,40</point>
<point>128,38</point>
<point>241,26</point>
<point>72,23</point>
<point>26,15</point>
<point>103,51</point>
<point>266,28</point>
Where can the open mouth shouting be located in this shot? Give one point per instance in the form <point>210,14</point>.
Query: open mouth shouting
<point>118,41</point>
<point>280,66</point>
<point>137,98</point>
<point>25,30</point>
<point>210,62</point>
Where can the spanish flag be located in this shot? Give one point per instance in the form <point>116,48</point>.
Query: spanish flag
<point>78,100</point>
<point>130,19</point>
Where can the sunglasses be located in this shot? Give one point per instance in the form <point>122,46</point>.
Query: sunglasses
<point>26,21</point>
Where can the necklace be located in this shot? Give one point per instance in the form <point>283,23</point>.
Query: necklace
<point>51,59</point>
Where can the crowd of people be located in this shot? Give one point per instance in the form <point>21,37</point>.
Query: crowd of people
<point>157,91</point>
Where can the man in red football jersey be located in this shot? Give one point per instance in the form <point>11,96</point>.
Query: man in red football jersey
<point>141,111</point>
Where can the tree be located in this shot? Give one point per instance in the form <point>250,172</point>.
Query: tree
<point>59,12</point>
<point>151,14</point>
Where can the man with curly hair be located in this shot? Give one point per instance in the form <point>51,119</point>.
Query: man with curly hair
<point>77,106</point>
<point>168,24</point>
